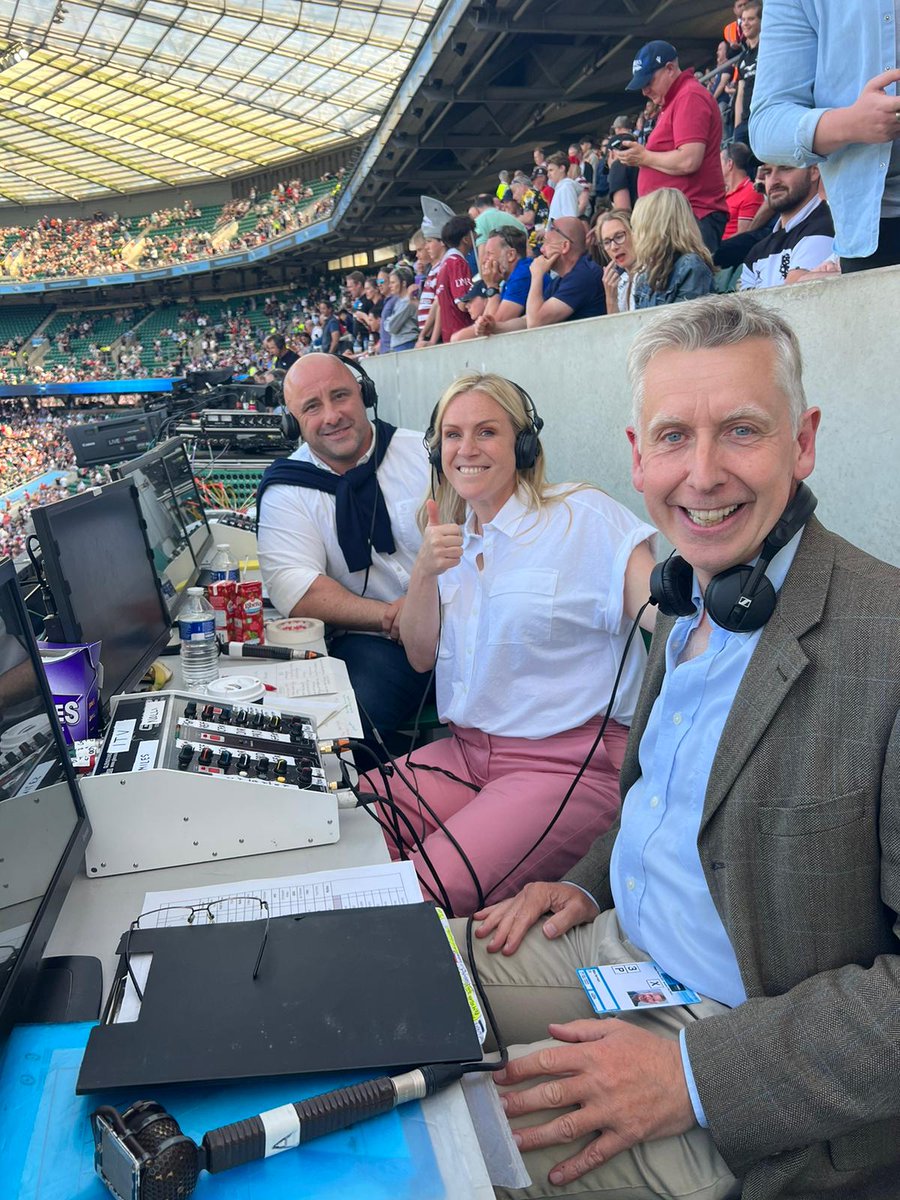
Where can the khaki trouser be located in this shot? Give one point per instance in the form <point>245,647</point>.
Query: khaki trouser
<point>539,984</point>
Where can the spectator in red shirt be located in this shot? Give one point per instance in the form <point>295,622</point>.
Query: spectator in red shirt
<point>683,149</point>
<point>742,198</point>
<point>454,278</point>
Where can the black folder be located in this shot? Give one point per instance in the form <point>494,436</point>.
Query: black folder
<point>356,989</point>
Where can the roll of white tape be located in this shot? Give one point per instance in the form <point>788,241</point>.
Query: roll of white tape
<point>295,631</point>
<point>235,689</point>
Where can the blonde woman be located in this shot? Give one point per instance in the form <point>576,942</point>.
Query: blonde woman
<point>672,262</point>
<point>521,598</point>
<point>615,244</point>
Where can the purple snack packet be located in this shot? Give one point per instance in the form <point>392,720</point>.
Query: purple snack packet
<point>73,673</point>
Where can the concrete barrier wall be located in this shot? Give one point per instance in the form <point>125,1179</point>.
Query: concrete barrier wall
<point>576,374</point>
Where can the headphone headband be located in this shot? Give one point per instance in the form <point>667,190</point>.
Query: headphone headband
<point>528,446</point>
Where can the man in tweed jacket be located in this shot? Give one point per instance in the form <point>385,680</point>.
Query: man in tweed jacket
<point>768,873</point>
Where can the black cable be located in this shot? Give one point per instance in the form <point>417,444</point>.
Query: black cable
<point>590,754</point>
<point>378,493</point>
<point>395,835</point>
<point>471,1068</point>
<point>479,891</point>
<point>398,837</point>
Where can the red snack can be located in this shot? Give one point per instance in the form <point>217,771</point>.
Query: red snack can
<point>222,596</point>
<point>249,623</point>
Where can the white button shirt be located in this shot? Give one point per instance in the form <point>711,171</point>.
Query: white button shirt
<point>530,644</point>
<point>298,532</point>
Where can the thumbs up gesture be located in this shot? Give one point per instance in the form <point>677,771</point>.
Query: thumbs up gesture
<point>441,544</point>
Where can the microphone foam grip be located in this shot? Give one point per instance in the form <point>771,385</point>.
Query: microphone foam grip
<point>345,1106</point>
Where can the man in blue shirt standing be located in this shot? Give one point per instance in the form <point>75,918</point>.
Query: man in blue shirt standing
<point>826,95</point>
<point>757,856</point>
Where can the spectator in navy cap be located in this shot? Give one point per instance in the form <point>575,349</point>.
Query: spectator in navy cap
<point>683,149</point>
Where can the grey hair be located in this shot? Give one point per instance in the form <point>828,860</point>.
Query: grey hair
<point>712,322</point>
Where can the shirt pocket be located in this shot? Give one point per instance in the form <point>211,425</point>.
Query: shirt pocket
<point>520,606</point>
<point>404,525</point>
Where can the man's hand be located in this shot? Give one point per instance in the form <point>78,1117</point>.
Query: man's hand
<point>485,325</point>
<point>621,1080</point>
<point>490,270</point>
<point>390,621</point>
<point>441,546</point>
<point>632,155</point>
<point>874,113</point>
<point>543,263</point>
<point>511,919</point>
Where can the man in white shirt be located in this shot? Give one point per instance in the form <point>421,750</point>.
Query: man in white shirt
<point>565,190</point>
<point>338,533</point>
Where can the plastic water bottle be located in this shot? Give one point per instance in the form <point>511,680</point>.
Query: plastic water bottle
<point>199,649</point>
<point>223,565</point>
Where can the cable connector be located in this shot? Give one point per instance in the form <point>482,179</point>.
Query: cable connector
<point>335,746</point>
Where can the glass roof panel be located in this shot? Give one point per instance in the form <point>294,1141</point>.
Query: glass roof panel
<point>237,26</point>
<point>124,94</point>
<point>242,60</point>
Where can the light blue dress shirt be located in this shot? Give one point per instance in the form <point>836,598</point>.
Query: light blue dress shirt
<point>816,55</point>
<point>661,896</point>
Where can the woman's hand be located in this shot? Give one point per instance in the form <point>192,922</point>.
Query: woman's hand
<point>441,546</point>
<point>611,287</point>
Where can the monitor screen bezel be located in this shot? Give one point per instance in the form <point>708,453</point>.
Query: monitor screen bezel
<point>200,552</point>
<point>69,624</point>
<point>15,995</point>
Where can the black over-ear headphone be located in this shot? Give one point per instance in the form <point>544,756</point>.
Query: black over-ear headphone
<point>742,598</point>
<point>528,445</point>
<point>290,426</point>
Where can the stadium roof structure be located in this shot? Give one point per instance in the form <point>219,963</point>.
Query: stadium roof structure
<point>496,78</point>
<point>103,97</point>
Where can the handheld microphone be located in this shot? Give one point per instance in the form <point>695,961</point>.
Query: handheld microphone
<point>282,653</point>
<point>141,1154</point>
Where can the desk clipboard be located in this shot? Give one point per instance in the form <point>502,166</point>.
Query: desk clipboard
<point>362,989</point>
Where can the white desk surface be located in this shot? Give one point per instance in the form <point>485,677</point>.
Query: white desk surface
<point>97,911</point>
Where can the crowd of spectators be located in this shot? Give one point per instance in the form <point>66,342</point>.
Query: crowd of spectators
<point>671,199</point>
<point>109,244</point>
<point>668,204</point>
<point>35,444</point>
<point>58,246</point>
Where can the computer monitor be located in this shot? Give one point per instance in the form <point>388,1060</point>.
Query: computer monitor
<point>43,825</point>
<point>100,570</point>
<point>177,530</point>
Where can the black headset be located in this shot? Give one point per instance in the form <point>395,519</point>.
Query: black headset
<point>742,598</point>
<point>290,426</point>
<point>528,445</point>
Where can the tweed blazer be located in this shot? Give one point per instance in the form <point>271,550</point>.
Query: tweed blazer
<point>800,845</point>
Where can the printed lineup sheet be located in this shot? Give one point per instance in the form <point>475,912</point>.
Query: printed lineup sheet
<point>47,1151</point>
<point>321,891</point>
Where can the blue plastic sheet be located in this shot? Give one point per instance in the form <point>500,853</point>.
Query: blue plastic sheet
<point>47,1150</point>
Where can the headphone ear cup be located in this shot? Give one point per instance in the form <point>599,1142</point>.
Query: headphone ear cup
<point>369,394</point>
<point>290,426</point>
<point>527,449</point>
<point>731,609</point>
<point>671,584</point>
<point>434,457</point>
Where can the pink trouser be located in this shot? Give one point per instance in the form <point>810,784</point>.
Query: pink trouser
<point>521,782</point>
